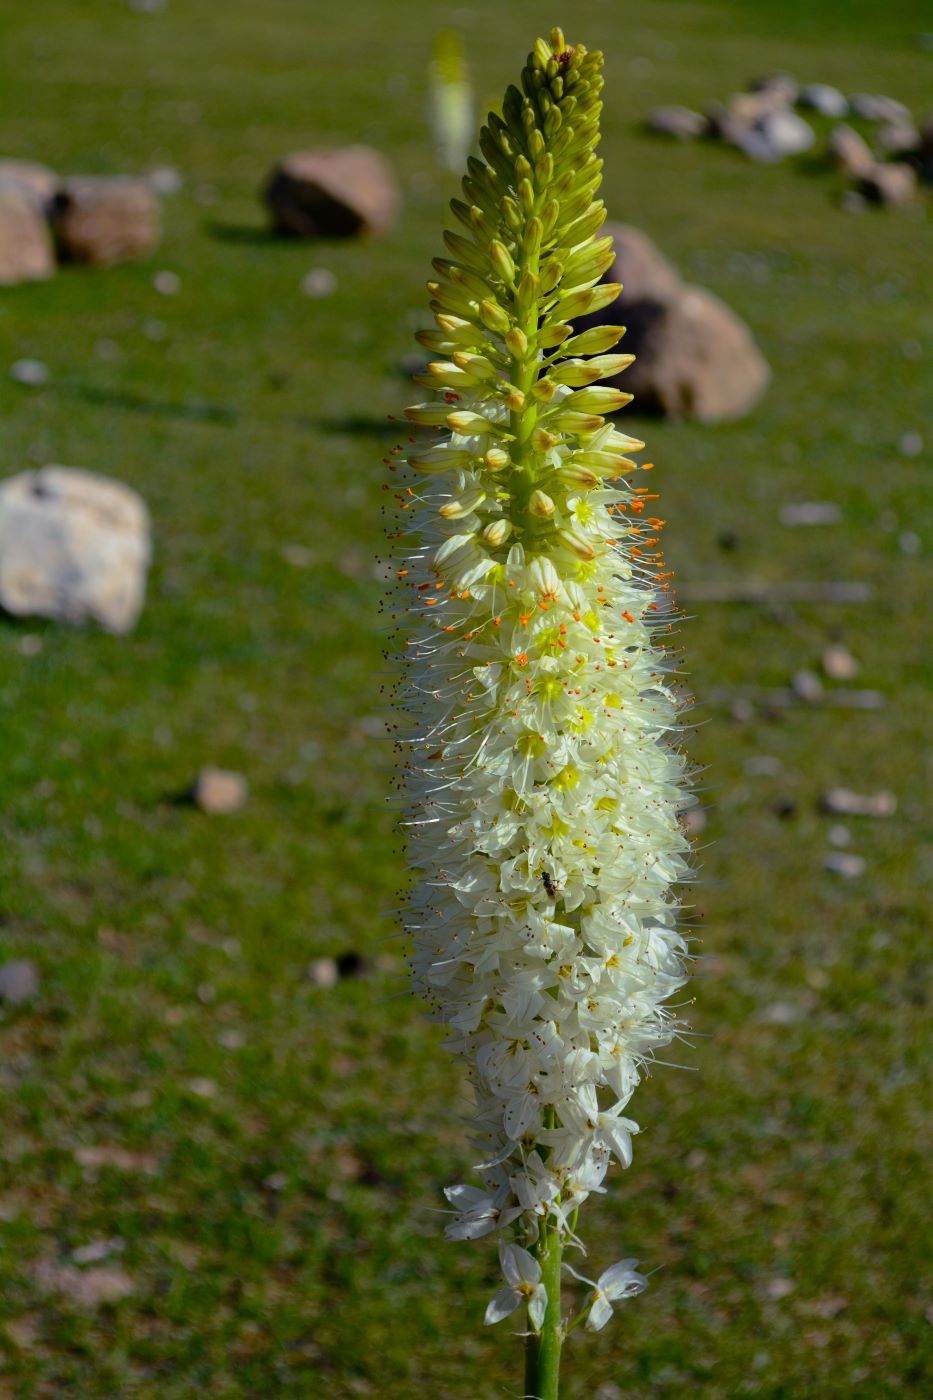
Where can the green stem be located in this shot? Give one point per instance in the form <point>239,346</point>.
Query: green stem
<point>542,1349</point>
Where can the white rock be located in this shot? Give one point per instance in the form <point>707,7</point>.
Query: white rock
<point>219,790</point>
<point>319,282</point>
<point>166,283</point>
<point>839,664</point>
<point>823,98</point>
<point>73,546</point>
<point>810,513</point>
<point>843,802</point>
<point>875,107</point>
<point>32,373</point>
<point>845,864</point>
<point>785,133</point>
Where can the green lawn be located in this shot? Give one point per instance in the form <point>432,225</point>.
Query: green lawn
<point>278,1221</point>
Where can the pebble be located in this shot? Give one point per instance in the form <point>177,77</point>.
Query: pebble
<point>843,802</point>
<point>910,444</point>
<point>839,835</point>
<point>823,98</point>
<point>810,513</point>
<point>167,284</point>
<point>165,179</point>
<point>97,1250</point>
<point>19,981</point>
<point>909,542</point>
<point>30,644</point>
<point>323,972</point>
<point>839,664</point>
<point>32,373</point>
<point>220,791</point>
<point>319,282</point>
<point>807,686</point>
<point>778,1288</point>
<point>203,1088</point>
<point>845,864</point>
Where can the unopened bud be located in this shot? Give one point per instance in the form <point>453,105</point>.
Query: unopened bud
<point>497,532</point>
<point>540,504</point>
<point>517,343</point>
<point>496,460</point>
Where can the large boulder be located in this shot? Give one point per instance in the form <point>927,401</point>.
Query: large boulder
<point>695,358</point>
<point>104,220</point>
<point>26,253</point>
<point>73,546</point>
<point>332,194</point>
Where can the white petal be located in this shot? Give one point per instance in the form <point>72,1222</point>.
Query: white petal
<point>537,1307</point>
<point>599,1314</point>
<point>621,1281</point>
<point>582,1277</point>
<point>504,1303</point>
<point>518,1265</point>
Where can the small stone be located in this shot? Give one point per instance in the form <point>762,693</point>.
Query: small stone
<point>807,686</point>
<point>220,790</point>
<point>909,542</point>
<point>875,107</point>
<point>810,513</point>
<point>823,98</point>
<point>19,981</point>
<point>165,179</point>
<point>298,555</point>
<point>203,1088</point>
<point>104,220</point>
<point>910,444</point>
<point>323,972</point>
<point>96,1251</point>
<point>839,835</point>
<point>844,864</point>
<point>276,1181</point>
<point>742,711</point>
<point>95,1156</point>
<point>677,121</point>
<point>30,644</point>
<point>890,185</point>
<point>785,133</point>
<point>778,1288</point>
<point>843,802</point>
<point>839,664</point>
<point>231,1039</point>
<point>166,283</point>
<point>32,373</point>
<point>319,282</point>
<point>87,1287</point>
<point>849,153</point>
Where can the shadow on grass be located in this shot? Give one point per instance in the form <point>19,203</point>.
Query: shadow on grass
<point>250,234</point>
<point>189,410</point>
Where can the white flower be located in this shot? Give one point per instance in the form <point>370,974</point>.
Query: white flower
<point>523,1285</point>
<point>617,1282</point>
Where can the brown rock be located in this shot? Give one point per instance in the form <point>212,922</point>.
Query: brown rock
<point>890,185</point>
<point>695,358</point>
<point>26,253</point>
<point>218,790</point>
<point>36,181</point>
<point>849,152</point>
<point>104,221</point>
<point>332,194</point>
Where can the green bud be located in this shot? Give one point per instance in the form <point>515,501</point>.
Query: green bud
<point>511,213</point>
<point>531,240</point>
<point>494,317</point>
<point>595,341</point>
<point>517,342</point>
<point>501,259</point>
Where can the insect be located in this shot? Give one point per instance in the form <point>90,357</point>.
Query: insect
<point>548,884</point>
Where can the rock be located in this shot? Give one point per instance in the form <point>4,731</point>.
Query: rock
<point>898,139</point>
<point>785,133</point>
<point>333,194</point>
<point>807,686</point>
<point>104,220</point>
<point>73,546</point>
<point>849,152</point>
<point>677,121</point>
<point>219,791</point>
<point>822,98</point>
<point>875,107</point>
<point>165,179</point>
<point>910,444</point>
<point>32,373</point>
<point>839,835</point>
<point>87,1287</point>
<point>839,664</point>
<point>844,863</point>
<point>890,185</point>
<point>26,253</point>
<point>37,182</point>
<point>694,357</point>
<point>843,802</point>
<point>19,981</point>
<point>319,282</point>
<point>810,513</point>
<point>167,283</point>
<point>323,972</point>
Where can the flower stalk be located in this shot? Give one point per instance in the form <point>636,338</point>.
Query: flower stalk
<point>542,778</point>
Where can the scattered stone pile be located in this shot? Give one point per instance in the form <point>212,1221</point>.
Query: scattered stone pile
<point>88,219</point>
<point>332,194</point>
<point>694,357</point>
<point>766,125</point>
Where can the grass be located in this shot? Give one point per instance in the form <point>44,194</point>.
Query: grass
<point>278,1221</point>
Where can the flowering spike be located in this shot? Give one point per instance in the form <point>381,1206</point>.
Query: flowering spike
<point>542,781</point>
